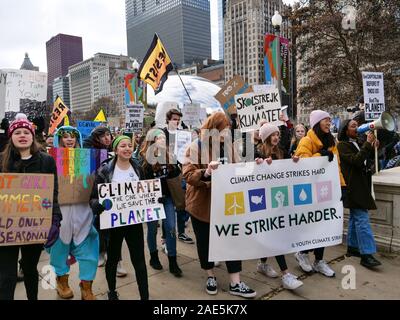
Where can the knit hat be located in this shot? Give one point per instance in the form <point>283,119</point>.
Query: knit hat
<point>21,121</point>
<point>118,140</point>
<point>266,130</point>
<point>316,116</point>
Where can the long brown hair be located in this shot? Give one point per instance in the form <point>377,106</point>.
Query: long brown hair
<point>217,121</point>
<point>267,150</point>
<point>147,143</point>
<point>11,153</point>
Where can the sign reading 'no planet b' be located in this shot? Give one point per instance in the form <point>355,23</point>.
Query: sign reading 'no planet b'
<point>128,203</point>
<point>268,210</point>
<point>253,107</point>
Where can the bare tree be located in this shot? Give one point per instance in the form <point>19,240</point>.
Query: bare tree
<point>335,57</point>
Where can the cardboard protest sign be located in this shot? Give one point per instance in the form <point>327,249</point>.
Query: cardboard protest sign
<point>130,202</point>
<point>269,210</point>
<point>86,127</point>
<point>60,110</point>
<point>26,202</point>
<point>134,118</point>
<point>75,172</point>
<point>191,114</point>
<point>374,95</point>
<point>226,96</point>
<point>183,140</point>
<point>253,107</point>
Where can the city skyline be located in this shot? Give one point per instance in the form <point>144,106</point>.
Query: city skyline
<point>39,22</point>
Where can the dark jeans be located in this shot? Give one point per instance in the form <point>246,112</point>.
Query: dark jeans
<point>134,238</point>
<point>8,270</point>
<point>181,217</point>
<point>202,232</point>
<point>318,252</point>
<point>281,262</point>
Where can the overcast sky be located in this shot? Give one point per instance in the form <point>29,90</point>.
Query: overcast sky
<point>26,25</point>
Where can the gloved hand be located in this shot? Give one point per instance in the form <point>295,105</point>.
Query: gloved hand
<point>327,153</point>
<point>161,200</point>
<point>54,232</point>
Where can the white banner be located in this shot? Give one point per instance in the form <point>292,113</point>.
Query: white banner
<point>134,118</point>
<point>268,210</point>
<point>24,84</point>
<point>253,107</point>
<point>374,95</point>
<point>130,203</point>
<point>183,140</point>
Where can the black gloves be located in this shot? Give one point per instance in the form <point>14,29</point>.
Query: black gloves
<point>327,153</point>
<point>161,200</point>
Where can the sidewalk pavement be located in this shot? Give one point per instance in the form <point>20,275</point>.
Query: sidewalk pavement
<point>382,284</point>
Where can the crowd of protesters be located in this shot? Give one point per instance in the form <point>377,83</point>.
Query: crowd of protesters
<point>75,233</point>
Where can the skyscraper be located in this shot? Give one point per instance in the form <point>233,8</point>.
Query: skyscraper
<point>183,26</point>
<point>62,51</point>
<point>246,23</point>
<point>221,16</point>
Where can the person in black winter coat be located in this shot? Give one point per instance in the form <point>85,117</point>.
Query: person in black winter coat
<point>22,155</point>
<point>357,193</point>
<point>121,169</point>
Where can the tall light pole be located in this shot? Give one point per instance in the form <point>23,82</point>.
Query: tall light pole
<point>276,23</point>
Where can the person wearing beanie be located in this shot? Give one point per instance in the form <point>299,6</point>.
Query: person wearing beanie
<point>318,142</point>
<point>157,164</point>
<point>78,236</point>
<point>22,155</point>
<point>357,195</point>
<point>269,151</point>
<point>122,168</point>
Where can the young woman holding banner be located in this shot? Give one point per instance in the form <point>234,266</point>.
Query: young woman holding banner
<point>78,236</point>
<point>120,169</point>
<point>267,152</point>
<point>318,142</point>
<point>198,199</point>
<point>22,155</point>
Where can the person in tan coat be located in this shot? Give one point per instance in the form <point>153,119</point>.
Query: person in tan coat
<point>203,157</point>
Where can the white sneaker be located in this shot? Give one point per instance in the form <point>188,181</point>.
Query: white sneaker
<point>322,267</point>
<point>290,282</point>
<point>102,259</point>
<point>304,261</point>
<point>267,270</point>
<point>121,272</point>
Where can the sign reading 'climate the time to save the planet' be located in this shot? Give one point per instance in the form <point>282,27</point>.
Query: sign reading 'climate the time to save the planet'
<point>268,210</point>
<point>128,203</point>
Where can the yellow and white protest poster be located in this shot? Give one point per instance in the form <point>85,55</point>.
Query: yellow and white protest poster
<point>268,210</point>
